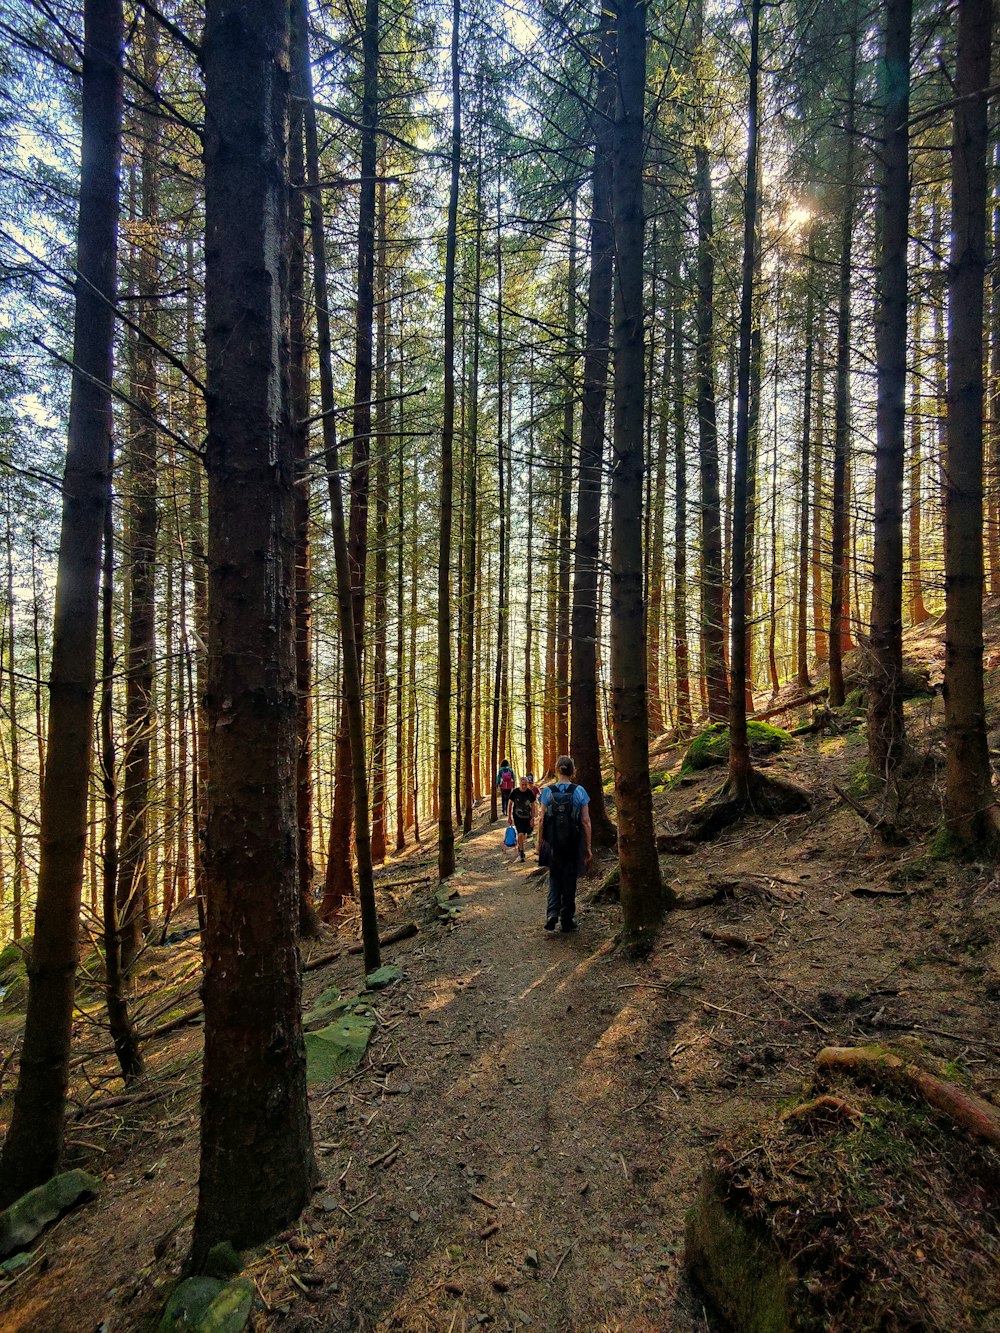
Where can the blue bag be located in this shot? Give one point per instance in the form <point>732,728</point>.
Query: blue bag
<point>510,837</point>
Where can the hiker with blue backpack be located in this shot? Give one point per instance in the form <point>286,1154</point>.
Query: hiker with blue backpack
<point>564,842</point>
<point>521,812</point>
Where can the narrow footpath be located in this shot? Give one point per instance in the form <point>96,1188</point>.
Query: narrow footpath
<point>515,1157</point>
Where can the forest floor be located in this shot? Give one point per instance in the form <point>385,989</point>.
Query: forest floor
<point>526,1135</point>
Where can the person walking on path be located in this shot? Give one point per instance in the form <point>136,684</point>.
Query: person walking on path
<point>521,812</point>
<point>566,830</point>
<point>505,781</point>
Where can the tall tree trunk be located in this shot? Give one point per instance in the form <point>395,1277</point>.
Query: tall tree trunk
<point>681,664</point>
<point>351,671</point>
<point>141,471</point>
<point>712,631</point>
<point>886,734</point>
<point>257,1165</point>
<point>446,830</point>
<point>821,642</point>
<point>969,798</point>
<point>299,388</point>
<point>33,1144</point>
<point>401,747</point>
<point>380,678</point>
<point>993,395</point>
<point>503,467</point>
<point>338,867</point>
<point>584,702</point>
<point>739,749</point>
<point>655,519</point>
<point>642,891</point>
<point>123,1033</point>
<point>471,508</point>
<point>839,586</point>
<point>19,880</point>
<point>918,611</point>
<point>802,591</point>
<point>529,618</point>
<point>565,475</point>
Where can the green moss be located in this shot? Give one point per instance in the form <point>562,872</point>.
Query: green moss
<point>740,1273</point>
<point>711,746</point>
<point>12,955</point>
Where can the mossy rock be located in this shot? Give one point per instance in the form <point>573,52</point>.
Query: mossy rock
<point>338,1048</point>
<point>711,746</point>
<point>205,1305</point>
<point>386,975</point>
<point>14,954</point>
<point>14,990</point>
<point>29,1215</point>
<point>742,1274</point>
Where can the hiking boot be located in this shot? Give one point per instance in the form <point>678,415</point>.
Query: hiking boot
<point>522,856</point>
<point>550,923</point>
<point>568,927</point>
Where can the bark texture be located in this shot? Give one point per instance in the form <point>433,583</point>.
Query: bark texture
<point>257,1165</point>
<point>33,1145</point>
<point>969,799</point>
<point>642,892</point>
<point>886,735</point>
<point>584,744</point>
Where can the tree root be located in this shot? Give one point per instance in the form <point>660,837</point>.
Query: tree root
<point>965,1109</point>
<point>768,797</point>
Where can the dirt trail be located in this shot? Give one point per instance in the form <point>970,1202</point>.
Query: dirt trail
<point>507,1086</point>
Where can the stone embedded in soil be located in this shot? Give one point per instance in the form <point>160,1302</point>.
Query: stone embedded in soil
<point>339,1048</point>
<point>204,1305</point>
<point>31,1214</point>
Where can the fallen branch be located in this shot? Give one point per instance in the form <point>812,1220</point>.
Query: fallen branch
<point>188,1016</point>
<point>403,883</point>
<point>322,960</point>
<point>885,828</point>
<point>966,1109</point>
<point>799,702</point>
<point>393,937</point>
<point>730,938</point>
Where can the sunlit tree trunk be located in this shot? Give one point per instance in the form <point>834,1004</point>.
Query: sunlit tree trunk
<point>33,1145</point>
<point>565,475</point>
<point>681,664</point>
<point>446,830</point>
<point>712,631</point>
<point>584,703</point>
<point>886,734</point>
<point>380,601</point>
<point>840,543</point>
<point>123,1034</point>
<point>739,749</point>
<point>802,591</point>
<point>642,892</point>
<point>142,507</point>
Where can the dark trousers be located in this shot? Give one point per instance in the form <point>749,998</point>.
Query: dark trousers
<point>562,893</point>
<point>505,800</point>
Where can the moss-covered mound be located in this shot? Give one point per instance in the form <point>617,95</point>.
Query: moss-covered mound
<point>711,746</point>
<point>863,1208</point>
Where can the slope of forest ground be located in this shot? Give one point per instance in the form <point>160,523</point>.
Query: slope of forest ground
<point>526,1136</point>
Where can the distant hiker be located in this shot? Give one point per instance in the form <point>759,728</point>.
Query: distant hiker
<point>506,782</point>
<point>521,812</point>
<point>566,833</point>
<point>530,779</point>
